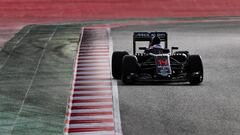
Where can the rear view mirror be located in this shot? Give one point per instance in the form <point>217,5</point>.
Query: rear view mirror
<point>173,48</point>
<point>142,48</point>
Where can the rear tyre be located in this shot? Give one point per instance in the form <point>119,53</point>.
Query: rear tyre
<point>117,63</point>
<point>195,73</point>
<point>129,69</point>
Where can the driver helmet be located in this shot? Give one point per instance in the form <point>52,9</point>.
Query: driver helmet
<point>155,43</point>
<point>155,40</point>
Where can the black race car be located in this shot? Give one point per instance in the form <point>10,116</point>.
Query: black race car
<point>156,64</point>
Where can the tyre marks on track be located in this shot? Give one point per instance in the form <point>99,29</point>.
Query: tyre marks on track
<point>91,107</point>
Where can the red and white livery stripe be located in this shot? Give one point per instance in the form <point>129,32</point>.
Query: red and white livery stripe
<point>91,106</point>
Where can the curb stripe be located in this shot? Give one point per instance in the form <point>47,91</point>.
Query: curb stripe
<point>93,94</point>
<point>92,61</point>
<point>90,89</point>
<point>92,58</point>
<point>91,110</point>
<point>92,100</point>
<point>95,51</point>
<point>90,117</point>
<point>95,78</point>
<point>91,84</point>
<point>91,129</point>
<point>105,124</point>
<point>95,54</point>
<point>94,81</point>
<point>93,68</point>
<point>91,65</point>
<point>91,114</point>
<point>92,103</point>
<point>80,92</point>
<point>96,74</point>
<point>90,73</point>
<point>91,107</point>
<point>88,121</point>
<point>91,97</point>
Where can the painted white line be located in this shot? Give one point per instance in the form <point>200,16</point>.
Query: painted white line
<point>92,103</point>
<point>117,117</point>
<point>107,124</point>
<point>90,117</point>
<point>91,97</point>
<point>92,110</point>
<point>94,133</point>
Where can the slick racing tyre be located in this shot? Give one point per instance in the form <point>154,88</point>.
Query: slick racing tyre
<point>117,64</point>
<point>129,69</point>
<point>195,73</point>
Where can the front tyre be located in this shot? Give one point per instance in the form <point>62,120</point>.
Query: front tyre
<point>195,70</point>
<point>117,63</point>
<point>129,69</point>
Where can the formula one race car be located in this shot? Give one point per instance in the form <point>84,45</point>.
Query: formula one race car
<point>156,62</point>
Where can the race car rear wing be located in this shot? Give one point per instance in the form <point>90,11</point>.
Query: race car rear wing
<point>147,36</point>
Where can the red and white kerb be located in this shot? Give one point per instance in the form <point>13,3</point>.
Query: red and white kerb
<point>90,110</point>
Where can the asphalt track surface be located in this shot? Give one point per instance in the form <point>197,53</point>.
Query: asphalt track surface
<point>211,108</point>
